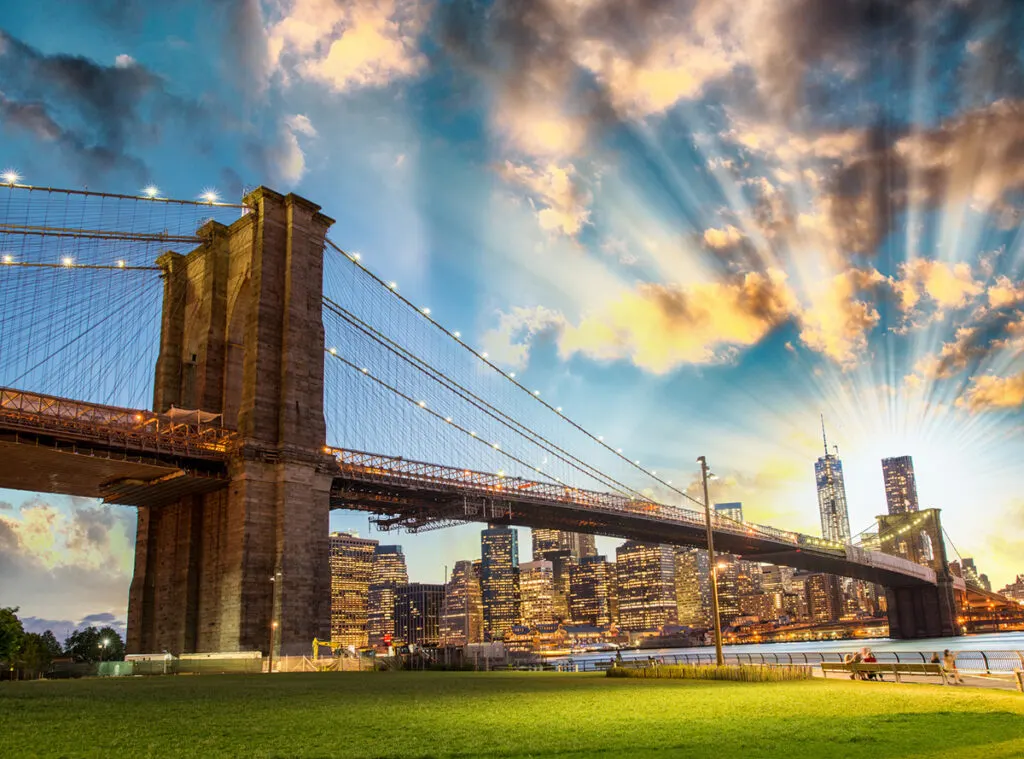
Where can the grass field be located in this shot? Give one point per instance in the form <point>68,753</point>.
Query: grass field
<point>449,714</point>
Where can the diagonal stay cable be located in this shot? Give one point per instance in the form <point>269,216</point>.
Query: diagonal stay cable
<point>595,438</point>
<point>479,403</point>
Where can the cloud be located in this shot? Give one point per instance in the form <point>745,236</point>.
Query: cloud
<point>992,393</point>
<point>1005,293</point>
<point>556,192</point>
<point>63,561</point>
<point>508,345</point>
<point>660,327</point>
<point>973,157</point>
<point>991,332</point>
<point>94,114</point>
<point>353,45</point>
<point>285,158</point>
<point>947,286</point>
<point>722,238</point>
<point>837,322</point>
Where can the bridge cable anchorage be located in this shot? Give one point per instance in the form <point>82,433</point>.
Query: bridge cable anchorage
<point>479,403</point>
<point>387,286</point>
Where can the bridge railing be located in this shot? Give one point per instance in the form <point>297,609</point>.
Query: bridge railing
<point>132,429</point>
<point>382,468</point>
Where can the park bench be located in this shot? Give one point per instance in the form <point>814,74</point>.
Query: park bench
<point>885,668</point>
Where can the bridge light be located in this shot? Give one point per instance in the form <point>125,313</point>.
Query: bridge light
<point>600,438</point>
<point>496,446</point>
<point>558,409</point>
<point>653,472</point>
<point>210,196</point>
<point>120,263</point>
<point>511,375</point>
<point>501,472</point>
<point>8,259</point>
<point>138,417</point>
<point>393,285</point>
<point>536,392</point>
<point>472,434</point>
<point>637,462</point>
<point>67,261</point>
<point>426,312</point>
<point>333,351</point>
<point>356,256</point>
<point>448,419</point>
<point>483,355</point>
<point>11,177</point>
<point>151,191</point>
<point>618,450</point>
<point>422,404</point>
<point>456,334</point>
<point>365,370</point>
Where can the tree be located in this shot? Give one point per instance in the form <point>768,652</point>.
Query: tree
<point>38,651</point>
<point>92,644</point>
<point>11,634</point>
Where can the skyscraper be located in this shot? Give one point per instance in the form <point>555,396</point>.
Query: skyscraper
<point>418,613</point>
<point>578,544</point>
<point>900,485</point>
<point>388,572</point>
<point>499,580</point>
<point>828,473</point>
<point>824,597</point>
<point>733,510</point>
<point>462,617</point>
<point>588,595</point>
<point>351,567</point>
<point>536,592</point>
<point>693,587</point>
<point>646,585</point>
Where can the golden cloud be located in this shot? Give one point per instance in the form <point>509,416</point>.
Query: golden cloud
<point>353,45</point>
<point>659,327</point>
<point>837,323</point>
<point>990,392</point>
<point>947,285</point>
<point>562,201</point>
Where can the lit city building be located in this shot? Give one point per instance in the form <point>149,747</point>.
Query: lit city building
<point>824,597</point>
<point>462,617</point>
<point>351,560</point>
<point>973,577</point>
<point>536,593</point>
<point>727,572</point>
<point>499,580</point>
<point>693,587</point>
<point>388,572</point>
<point>578,544</point>
<point>418,613</point>
<point>732,510</point>
<point>828,474</point>
<point>588,595</point>
<point>646,585</point>
<point>1015,590</point>
<point>900,485</point>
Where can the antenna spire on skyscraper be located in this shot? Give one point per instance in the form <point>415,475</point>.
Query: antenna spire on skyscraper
<point>824,440</point>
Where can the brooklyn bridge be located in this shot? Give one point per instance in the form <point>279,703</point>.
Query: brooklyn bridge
<point>233,374</point>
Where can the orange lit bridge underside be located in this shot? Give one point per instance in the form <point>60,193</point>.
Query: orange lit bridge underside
<point>131,457</point>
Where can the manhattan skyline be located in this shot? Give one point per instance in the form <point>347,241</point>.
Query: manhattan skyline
<point>696,250</point>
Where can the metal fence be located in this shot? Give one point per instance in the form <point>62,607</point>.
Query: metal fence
<point>988,662</point>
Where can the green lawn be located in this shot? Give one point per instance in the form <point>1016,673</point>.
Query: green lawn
<point>448,714</point>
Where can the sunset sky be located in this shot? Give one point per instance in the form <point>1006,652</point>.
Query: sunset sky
<point>697,224</point>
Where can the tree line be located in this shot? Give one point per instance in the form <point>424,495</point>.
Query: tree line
<point>35,652</point>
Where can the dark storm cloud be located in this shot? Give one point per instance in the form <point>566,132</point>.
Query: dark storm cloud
<point>975,157</point>
<point>95,114</point>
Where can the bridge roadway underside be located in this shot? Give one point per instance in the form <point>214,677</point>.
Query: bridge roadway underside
<point>423,505</point>
<point>43,464</point>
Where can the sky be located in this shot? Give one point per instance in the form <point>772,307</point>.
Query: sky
<point>699,224</point>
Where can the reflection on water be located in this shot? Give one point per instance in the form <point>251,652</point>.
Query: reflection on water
<point>1013,641</point>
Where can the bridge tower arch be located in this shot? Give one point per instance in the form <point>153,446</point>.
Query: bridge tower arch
<point>242,336</point>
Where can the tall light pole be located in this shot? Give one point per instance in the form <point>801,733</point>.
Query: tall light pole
<point>273,622</point>
<point>712,569</point>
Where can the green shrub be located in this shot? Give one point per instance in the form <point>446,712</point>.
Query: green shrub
<point>735,672</point>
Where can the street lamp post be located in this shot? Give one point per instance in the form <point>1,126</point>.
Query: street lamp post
<point>712,569</point>
<point>273,622</point>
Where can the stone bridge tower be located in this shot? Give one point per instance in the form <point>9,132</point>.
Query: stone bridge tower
<point>242,336</point>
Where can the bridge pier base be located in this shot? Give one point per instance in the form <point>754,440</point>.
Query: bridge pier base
<point>924,611</point>
<point>245,567</point>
